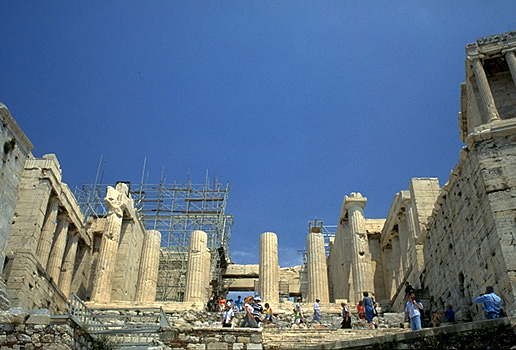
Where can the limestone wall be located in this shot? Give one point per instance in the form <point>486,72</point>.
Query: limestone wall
<point>473,223</point>
<point>15,147</point>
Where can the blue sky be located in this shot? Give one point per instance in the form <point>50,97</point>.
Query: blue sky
<point>295,103</point>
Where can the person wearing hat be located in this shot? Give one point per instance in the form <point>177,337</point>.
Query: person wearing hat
<point>491,303</point>
<point>257,309</point>
<point>317,311</point>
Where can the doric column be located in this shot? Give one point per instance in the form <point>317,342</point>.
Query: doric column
<point>56,254</point>
<point>101,291</point>
<point>396,263</point>
<point>148,272</point>
<point>483,87</point>
<point>510,56</point>
<point>65,278</point>
<point>207,274</point>
<point>360,256</point>
<point>269,268</point>
<point>196,269</point>
<point>404,243</point>
<point>409,211</point>
<point>317,269</point>
<point>47,232</point>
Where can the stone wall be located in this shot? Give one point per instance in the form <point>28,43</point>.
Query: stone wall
<point>216,339</point>
<point>473,222</point>
<point>15,147</point>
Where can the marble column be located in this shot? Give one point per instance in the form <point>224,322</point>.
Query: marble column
<point>396,263</point>
<point>485,90</point>
<point>47,232</point>
<point>317,268</point>
<point>403,232</point>
<point>361,267</point>
<point>101,291</point>
<point>510,56</point>
<point>56,253</point>
<point>207,275</point>
<point>410,213</point>
<point>149,263</point>
<point>196,268</point>
<point>65,278</point>
<point>269,268</point>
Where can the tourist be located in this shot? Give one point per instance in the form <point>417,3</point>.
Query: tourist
<point>299,309</point>
<point>346,316</point>
<point>238,304</point>
<point>408,289</point>
<point>412,311</point>
<point>222,303</point>
<point>367,303</point>
<point>361,310</point>
<point>229,314</point>
<point>257,309</point>
<point>209,306</point>
<point>317,311</point>
<point>443,316</point>
<point>491,302</point>
<point>268,314</point>
<point>249,320</point>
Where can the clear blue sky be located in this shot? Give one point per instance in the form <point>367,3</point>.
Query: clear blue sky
<point>295,103</point>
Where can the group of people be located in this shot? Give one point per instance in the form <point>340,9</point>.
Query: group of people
<point>253,312</point>
<point>414,308</point>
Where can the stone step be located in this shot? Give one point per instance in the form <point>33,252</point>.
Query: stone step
<point>293,338</point>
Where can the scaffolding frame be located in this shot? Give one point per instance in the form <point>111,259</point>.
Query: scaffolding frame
<point>328,232</point>
<point>175,210</point>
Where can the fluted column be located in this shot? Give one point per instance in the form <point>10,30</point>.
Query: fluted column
<point>56,254</point>
<point>101,291</point>
<point>196,267</point>
<point>409,210</point>
<point>317,269</point>
<point>47,232</point>
<point>207,274</point>
<point>396,263</point>
<point>65,278</point>
<point>483,87</point>
<point>510,56</point>
<point>269,268</point>
<point>148,272</point>
<point>359,245</point>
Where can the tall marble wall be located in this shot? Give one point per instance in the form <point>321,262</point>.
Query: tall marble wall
<point>15,148</point>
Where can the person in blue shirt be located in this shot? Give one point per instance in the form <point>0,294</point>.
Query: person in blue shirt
<point>491,302</point>
<point>412,311</point>
<point>238,304</point>
<point>368,304</point>
<point>444,316</point>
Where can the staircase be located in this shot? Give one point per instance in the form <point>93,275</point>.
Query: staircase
<point>303,339</point>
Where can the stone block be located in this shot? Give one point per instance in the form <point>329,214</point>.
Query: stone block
<point>217,346</point>
<point>254,347</point>
<point>256,338</point>
<point>245,340</point>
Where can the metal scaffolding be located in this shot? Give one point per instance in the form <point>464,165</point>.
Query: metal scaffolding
<point>175,210</point>
<point>328,232</point>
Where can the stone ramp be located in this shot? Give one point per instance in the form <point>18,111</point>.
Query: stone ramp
<point>299,339</point>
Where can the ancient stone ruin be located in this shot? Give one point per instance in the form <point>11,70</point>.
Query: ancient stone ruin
<point>449,242</point>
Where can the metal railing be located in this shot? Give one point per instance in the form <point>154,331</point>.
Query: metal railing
<point>123,327</point>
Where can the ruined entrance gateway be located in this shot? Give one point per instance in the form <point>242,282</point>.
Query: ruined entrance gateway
<point>449,242</point>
